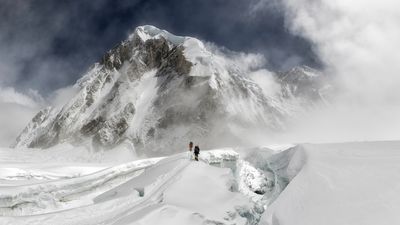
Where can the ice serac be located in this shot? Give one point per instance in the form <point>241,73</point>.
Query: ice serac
<point>156,89</point>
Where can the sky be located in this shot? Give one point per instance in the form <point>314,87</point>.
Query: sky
<point>46,45</point>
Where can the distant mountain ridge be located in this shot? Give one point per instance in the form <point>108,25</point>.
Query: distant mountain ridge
<point>156,91</point>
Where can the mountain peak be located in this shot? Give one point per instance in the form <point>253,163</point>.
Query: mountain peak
<point>147,32</point>
<point>158,91</point>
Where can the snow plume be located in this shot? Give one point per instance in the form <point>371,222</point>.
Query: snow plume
<point>18,108</point>
<point>358,43</point>
<point>10,95</point>
<point>254,65</point>
<point>265,79</point>
<point>61,96</point>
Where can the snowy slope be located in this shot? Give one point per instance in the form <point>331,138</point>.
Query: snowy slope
<point>156,89</point>
<point>171,190</point>
<point>349,183</point>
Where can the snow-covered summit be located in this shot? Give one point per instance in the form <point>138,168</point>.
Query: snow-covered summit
<point>147,32</point>
<point>203,60</point>
<point>304,82</point>
<point>156,89</point>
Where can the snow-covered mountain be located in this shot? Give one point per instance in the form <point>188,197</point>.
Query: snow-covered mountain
<point>156,89</point>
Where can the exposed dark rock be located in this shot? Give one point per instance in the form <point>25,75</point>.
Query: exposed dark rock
<point>175,63</point>
<point>151,133</point>
<point>129,109</point>
<point>156,51</point>
<point>93,126</point>
<point>109,132</point>
<point>136,70</point>
<point>117,56</point>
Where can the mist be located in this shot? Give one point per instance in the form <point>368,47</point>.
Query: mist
<point>354,43</point>
<point>358,43</point>
<point>17,109</point>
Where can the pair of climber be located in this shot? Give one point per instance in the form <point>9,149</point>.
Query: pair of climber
<point>196,151</point>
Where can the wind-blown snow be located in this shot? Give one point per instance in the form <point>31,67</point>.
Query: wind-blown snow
<point>145,93</point>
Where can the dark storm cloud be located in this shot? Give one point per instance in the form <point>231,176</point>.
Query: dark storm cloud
<point>47,44</point>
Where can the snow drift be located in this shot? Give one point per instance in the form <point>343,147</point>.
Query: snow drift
<point>349,183</point>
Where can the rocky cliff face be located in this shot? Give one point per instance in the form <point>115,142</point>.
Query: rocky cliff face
<point>158,91</point>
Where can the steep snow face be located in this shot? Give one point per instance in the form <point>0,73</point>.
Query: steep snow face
<point>156,89</point>
<point>347,183</point>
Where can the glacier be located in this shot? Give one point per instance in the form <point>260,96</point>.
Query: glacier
<point>134,192</point>
<point>342,183</point>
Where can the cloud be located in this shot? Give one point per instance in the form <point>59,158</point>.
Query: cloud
<point>61,96</point>
<point>46,45</point>
<point>358,43</point>
<point>267,82</point>
<point>43,45</point>
<point>254,67</point>
<point>17,109</point>
<point>9,95</point>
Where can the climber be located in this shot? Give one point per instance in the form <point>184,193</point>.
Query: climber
<point>190,150</point>
<point>196,153</point>
<point>190,146</point>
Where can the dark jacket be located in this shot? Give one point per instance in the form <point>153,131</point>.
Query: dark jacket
<point>196,150</point>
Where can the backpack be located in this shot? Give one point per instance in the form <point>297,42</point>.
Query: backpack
<point>196,150</point>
